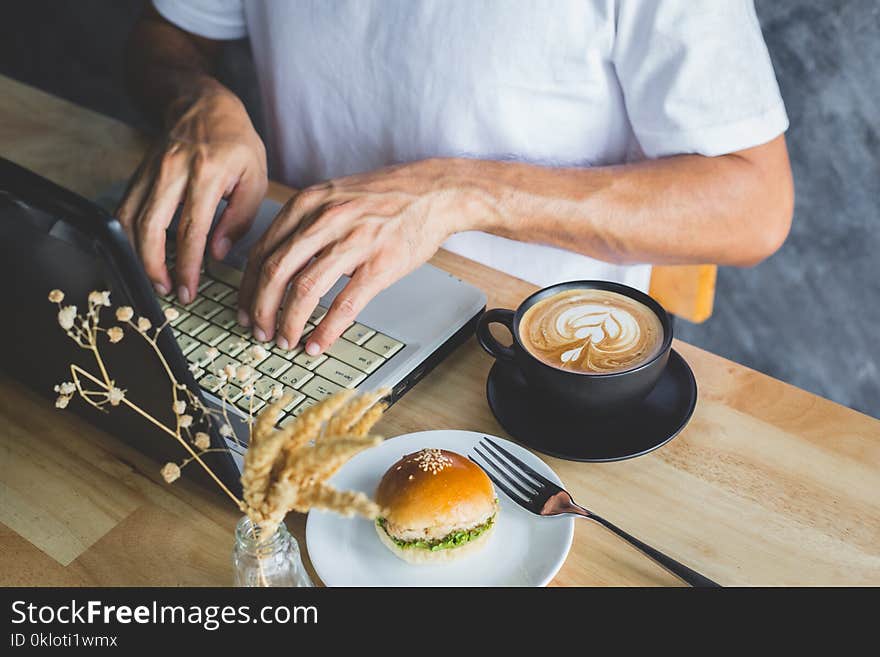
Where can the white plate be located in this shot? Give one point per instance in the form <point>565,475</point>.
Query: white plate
<point>524,549</point>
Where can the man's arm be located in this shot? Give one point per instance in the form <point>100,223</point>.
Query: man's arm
<point>209,150</point>
<point>729,210</point>
<point>167,68</point>
<point>733,209</point>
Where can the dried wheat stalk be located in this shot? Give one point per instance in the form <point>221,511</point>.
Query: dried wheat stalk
<point>287,469</point>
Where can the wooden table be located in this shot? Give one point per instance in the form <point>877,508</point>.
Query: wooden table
<point>767,485</point>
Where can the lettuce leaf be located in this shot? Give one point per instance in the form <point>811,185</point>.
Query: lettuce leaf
<point>453,540</point>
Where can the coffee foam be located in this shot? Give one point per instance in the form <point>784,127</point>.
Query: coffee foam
<point>591,331</point>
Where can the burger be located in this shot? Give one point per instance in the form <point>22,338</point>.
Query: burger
<point>438,506</point>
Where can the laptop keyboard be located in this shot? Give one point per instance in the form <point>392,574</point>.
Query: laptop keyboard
<point>210,321</point>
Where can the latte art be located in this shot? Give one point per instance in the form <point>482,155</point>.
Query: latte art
<point>591,331</point>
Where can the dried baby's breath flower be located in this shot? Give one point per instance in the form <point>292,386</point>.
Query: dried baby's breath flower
<point>277,391</point>
<point>226,431</point>
<point>66,317</point>
<point>115,395</point>
<point>256,352</point>
<point>99,298</point>
<point>124,313</point>
<point>229,371</point>
<point>248,389</point>
<point>170,472</point>
<point>114,333</point>
<point>211,353</point>
<point>85,331</point>
<point>202,440</point>
<point>244,372</point>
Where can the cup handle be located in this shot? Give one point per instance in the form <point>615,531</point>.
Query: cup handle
<point>488,341</point>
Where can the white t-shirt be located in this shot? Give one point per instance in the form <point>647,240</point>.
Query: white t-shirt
<point>353,85</point>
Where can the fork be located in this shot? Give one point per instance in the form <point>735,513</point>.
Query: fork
<point>535,493</point>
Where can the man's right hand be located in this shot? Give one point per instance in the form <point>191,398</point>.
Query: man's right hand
<point>210,152</point>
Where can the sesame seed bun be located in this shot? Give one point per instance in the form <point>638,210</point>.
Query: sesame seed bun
<point>430,495</point>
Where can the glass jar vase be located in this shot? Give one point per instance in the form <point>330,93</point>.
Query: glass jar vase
<point>266,561</point>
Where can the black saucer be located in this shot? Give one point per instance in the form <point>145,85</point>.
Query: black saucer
<point>642,428</point>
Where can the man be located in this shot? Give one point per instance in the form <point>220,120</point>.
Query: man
<point>547,138</point>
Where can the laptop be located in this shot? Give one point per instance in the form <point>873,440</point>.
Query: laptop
<point>52,238</point>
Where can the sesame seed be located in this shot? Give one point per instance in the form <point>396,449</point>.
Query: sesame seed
<point>432,460</point>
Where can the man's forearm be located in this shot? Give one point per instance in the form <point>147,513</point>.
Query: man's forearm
<point>733,209</point>
<point>168,69</point>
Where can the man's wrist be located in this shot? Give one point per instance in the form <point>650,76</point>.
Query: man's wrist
<point>473,193</point>
<point>198,90</point>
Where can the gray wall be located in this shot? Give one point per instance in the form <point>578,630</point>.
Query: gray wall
<point>809,315</point>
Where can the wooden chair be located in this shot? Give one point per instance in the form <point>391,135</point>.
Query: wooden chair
<point>686,291</point>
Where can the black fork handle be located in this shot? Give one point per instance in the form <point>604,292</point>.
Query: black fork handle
<point>681,571</point>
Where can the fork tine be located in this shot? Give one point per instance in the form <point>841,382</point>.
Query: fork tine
<point>513,496</point>
<point>518,485</point>
<point>534,474</point>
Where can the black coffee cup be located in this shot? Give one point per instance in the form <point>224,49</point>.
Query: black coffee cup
<point>587,391</point>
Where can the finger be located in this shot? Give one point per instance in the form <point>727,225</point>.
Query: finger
<point>285,263</point>
<point>306,291</point>
<point>347,305</point>
<point>133,199</point>
<point>241,208</point>
<point>154,219</point>
<point>289,217</point>
<point>203,194</point>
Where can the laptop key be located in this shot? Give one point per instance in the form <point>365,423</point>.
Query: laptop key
<point>274,365</point>
<point>309,362</point>
<point>297,397</point>
<point>320,388</point>
<point>317,314</point>
<point>306,403</point>
<point>231,300</point>
<point>383,345</point>
<point>340,373</point>
<point>226,318</point>
<point>230,392</point>
<point>205,308</point>
<point>351,354</point>
<point>181,316</point>
<point>192,325</point>
<point>358,333</point>
<point>186,343</point>
<point>287,354</point>
<point>216,291</point>
<point>213,335</point>
<point>210,382</point>
<point>295,376</point>
<point>265,386</point>
<point>287,420</point>
<point>238,329</point>
<point>198,355</point>
<point>250,404</point>
<point>221,362</point>
<point>232,345</point>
